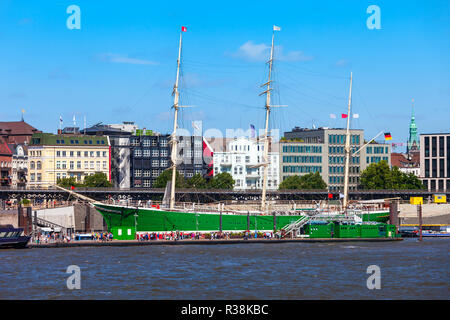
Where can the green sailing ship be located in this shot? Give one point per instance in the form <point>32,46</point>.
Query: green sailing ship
<point>127,221</point>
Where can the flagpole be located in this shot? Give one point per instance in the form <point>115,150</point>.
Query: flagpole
<point>347,147</point>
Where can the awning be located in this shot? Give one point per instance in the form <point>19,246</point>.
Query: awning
<point>45,229</point>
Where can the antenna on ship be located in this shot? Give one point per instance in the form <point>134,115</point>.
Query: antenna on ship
<point>347,146</point>
<point>266,132</point>
<point>174,141</point>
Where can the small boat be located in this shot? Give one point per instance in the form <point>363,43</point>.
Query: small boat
<point>11,237</point>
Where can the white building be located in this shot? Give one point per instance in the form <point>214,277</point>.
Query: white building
<point>19,165</point>
<point>243,158</point>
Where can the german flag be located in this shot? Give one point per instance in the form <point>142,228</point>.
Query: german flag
<point>387,136</point>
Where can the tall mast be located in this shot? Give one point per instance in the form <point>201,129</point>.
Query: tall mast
<point>266,133</point>
<point>174,141</point>
<point>347,146</point>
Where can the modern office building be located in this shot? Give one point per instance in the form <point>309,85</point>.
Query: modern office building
<point>322,150</point>
<point>243,159</point>
<point>435,161</point>
<point>52,157</point>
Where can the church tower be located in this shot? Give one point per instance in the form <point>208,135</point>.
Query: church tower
<point>413,141</point>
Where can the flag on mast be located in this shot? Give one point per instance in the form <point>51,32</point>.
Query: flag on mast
<point>355,115</point>
<point>387,136</point>
<point>252,127</point>
<point>343,115</point>
<point>183,29</point>
<point>276,28</point>
<point>332,116</point>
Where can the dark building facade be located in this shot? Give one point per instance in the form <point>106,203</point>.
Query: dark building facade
<point>435,161</point>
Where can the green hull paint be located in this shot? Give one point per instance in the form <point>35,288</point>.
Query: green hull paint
<point>124,222</point>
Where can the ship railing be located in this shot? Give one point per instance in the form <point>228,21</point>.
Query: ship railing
<point>296,225</point>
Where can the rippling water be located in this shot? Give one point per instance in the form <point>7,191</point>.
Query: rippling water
<point>409,270</point>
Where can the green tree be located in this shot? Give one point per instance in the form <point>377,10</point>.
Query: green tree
<point>97,180</point>
<point>196,182</point>
<point>221,181</point>
<point>165,176</point>
<point>292,182</point>
<point>310,181</point>
<point>68,182</point>
<point>380,176</point>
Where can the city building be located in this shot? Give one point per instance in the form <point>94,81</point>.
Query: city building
<point>52,157</point>
<point>119,137</point>
<point>19,168</point>
<point>435,161</point>
<point>407,163</point>
<point>322,150</point>
<point>243,159</point>
<point>5,164</point>
<point>16,132</point>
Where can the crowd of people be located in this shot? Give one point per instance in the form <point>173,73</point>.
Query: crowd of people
<point>179,235</point>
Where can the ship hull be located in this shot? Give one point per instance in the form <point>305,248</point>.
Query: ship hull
<point>124,222</point>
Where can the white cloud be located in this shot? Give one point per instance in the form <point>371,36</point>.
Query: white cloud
<point>342,63</point>
<point>117,58</point>
<point>261,52</point>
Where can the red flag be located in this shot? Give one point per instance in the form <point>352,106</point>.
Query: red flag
<point>344,116</point>
<point>183,29</point>
<point>72,187</point>
<point>330,196</point>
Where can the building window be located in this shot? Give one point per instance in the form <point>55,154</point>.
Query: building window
<point>137,172</point>
<point>32,177</point>
<point>163,142</point>
<point>58,164</point>
<point>146,153</point>
<point>164,153</point>
<point>92,164</point>
<point>164,163</point>
<point>147,184</point>
<point>64,166</point>
<point>32,165</point>
<point>105,166</point>
<point>78,164</point>
<point>146,173</point>
<point>71,165</point>
<point>155,153</point>
<point>155,163</point>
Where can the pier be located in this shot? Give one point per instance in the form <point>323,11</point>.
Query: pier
<point>132,243</point>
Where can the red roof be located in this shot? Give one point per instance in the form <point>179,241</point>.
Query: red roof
<point>4,149</point>
<point>403,160</point>
<point>17,131</point>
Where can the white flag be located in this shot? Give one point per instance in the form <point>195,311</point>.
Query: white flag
<point>60,119</point>
<point>332,116</point>
<point>275,28</point>
<point>356,115</point>
<point>195,126</point>
<point>341,195</point>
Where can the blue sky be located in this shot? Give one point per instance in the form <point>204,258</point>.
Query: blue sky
<point>121,64</point>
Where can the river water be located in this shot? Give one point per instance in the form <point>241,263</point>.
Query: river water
<point>409,270</point>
